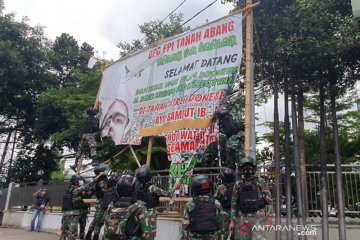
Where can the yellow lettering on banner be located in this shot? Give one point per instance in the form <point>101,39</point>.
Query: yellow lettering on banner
<point>186,123</point>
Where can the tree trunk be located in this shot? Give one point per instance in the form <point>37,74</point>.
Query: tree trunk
<point>323,162</point>
<point>302,148</point>
<point>5,150</point>
<point>299,200</point>
<point>277,159</point>
<point>289,211</point>
<point>339,181</point>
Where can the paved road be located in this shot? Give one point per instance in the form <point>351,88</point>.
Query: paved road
<point>19,234</point>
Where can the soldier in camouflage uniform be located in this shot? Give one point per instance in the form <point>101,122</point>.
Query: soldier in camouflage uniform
<point>126,218</point>
<point>72,204</point>
<point>202,218</point>
<point>149,194</point>
<point>84,211</point>
<point>251,203</point>
<point>223,195</point>
<point>100,188</point>
<point>91,127</point>
<point>234,131</point>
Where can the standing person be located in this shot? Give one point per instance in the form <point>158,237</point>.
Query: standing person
<point>149,194</point>
<point>101,187</point>
<point>126,218</point>
<point>251,202</point>
<point>91,127</point>
<point>41,205</point>
<point>202,217</point>
<point>72,203</point>
<point>84,211</point>
<point>223,195</point>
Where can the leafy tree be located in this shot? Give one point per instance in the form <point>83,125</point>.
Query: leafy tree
<point>31,168</point>
<point>153,32</point>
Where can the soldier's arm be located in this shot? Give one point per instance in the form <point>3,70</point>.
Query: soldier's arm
<point>144,222</point>
<point>158,191</point>
<point>219,216</point>
<point>185,223</point>
<point>234,199</point>
<point>265,189</point>
<point>220,192</point>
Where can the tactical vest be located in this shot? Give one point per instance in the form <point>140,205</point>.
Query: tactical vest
<point>143,193</point>
<point>226,200</point>
<point>228,126</point>
<point>108,197</point>
<point>100,186</point>
<point>132,226</point>
<point>69,203</point>
<point>203,217</point>
<point>91,125</point>
<point>248,197</point>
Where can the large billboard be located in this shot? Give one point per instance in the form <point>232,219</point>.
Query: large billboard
<point>172,88</point>
<point>356,8</point>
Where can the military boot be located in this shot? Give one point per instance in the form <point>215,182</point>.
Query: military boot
<point>88,236</point>
<point>96,237</point>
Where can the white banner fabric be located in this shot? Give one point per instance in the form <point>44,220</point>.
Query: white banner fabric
<point>173,87</point>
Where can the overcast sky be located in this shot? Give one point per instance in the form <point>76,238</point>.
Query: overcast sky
<point>105,23</point>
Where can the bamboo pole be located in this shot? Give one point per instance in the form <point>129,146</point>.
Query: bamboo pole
<point>79,165</point>
<point>105,162</point>
<point>149,151</point>
<point>135,157</point>
<point>248,56</point>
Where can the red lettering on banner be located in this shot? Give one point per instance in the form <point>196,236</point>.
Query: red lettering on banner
<point>219,30</point>
<point>189,39</point>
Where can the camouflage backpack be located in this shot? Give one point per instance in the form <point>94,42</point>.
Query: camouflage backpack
<point>121,221</point>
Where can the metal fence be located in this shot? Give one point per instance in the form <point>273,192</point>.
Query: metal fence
<point>21,193</point>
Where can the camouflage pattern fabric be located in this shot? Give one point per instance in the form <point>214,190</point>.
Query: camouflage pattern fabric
<point>155,190</point>
<point>220,194</point>
<point>116,220</point>
<point>185,229</point>
<point>82,219</point>
<point>88,139</point>
<point>99,218</point>
<point>69,222</point>
<point>244,222</point>
<point>235,149</point>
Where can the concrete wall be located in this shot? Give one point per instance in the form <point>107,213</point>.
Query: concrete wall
<point>167,228</point>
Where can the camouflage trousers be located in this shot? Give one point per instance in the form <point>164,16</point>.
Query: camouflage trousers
<point>234,149</point>
<point>82,219</point>
<point>152,221</point>
<point>88,139</point>
<point>246,224</point>
<point>224,231</point>
<point>99,219</point>
<point>69,225</point>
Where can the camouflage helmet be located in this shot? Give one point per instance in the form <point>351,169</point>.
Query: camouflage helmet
<point>92,111</point>
<point>143,174</point>
<point>100,168</point>
<point>248,161</point>
<point>227,175</point>
<point>201,185</point>
<point>125,186</point>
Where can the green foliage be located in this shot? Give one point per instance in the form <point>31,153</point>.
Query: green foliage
<point>59,174</point>
<point>153,32</point>
<point>34,164</point>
